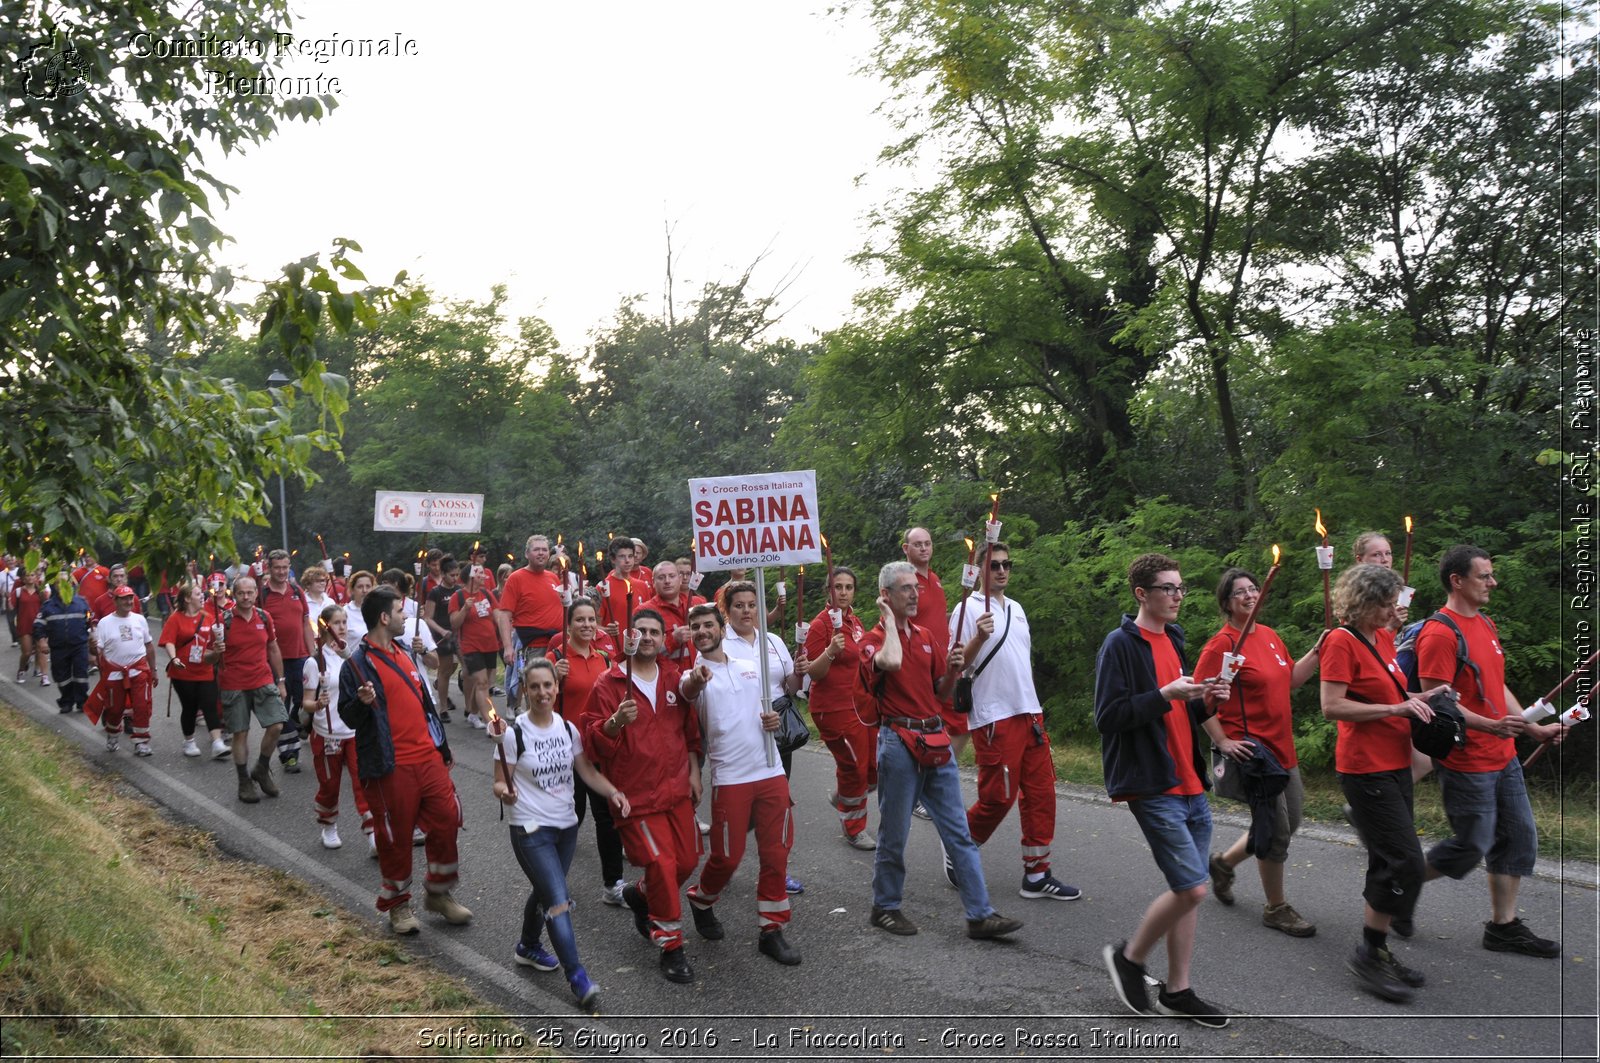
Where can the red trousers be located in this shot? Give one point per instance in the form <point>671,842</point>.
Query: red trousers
<point>130,693</point>
<point>330,772</point>
<point>411,796</point>
<point>733,808</point>
<point>667,845</point>
<point>1013,758</point>
<point>855,764</point>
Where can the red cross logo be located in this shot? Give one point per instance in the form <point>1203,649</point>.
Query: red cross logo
<point>702,490</point>
<point>397,511</point>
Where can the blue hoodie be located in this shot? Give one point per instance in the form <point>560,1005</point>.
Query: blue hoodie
<point>1128,711</point>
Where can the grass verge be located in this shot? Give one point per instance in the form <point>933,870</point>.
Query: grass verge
<point>115,918</point>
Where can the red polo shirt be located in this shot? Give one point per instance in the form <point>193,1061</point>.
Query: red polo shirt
<point>533,599</point>
<point>244,654</point>
<point>908,691</point>
<point>289,613</point>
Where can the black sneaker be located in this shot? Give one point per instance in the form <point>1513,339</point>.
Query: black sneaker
<point>771,943</point>
<point>950,872</point>
<point>641,911</point>
<point>706,923</point>
<point>893,920</point>
<point>1375,972</point>
<point>1222,880</point>
<point>1048,888</point>
<point>1409,975</point>
<point>1186,1005</point>
<point>675,966</point>
<point>291,764</point>
<point>1127,978</point>
<point>993,925</point>
<point>1516,937</point>
<point>1402,927</point>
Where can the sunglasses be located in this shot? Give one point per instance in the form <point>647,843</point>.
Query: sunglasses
<point>1000,566</point>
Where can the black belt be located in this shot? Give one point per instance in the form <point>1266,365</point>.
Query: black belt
<point>924,725</point>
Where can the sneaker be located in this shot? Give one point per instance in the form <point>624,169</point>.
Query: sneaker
<point>1127,978</point>
<point>771,943</point>
<point>612,894</point>
<point>792,886</point>
<point>44,680</point>
<point>63,707</point>
<point>641,911</point>
<point>706,923</point>
<point>705,828</point>
<point>921,811</point>
<point>1283,917</point>
<point>455,913</point>
<point>262,774</point>
<point>444,715</point>
<point>330,837</point>
<point>1222,877</point>
<point>219,749</point>
<point>417,837</point>
<point>893,920</point>
<point>1402,927</point>
<point>1186,1005</point>
<point>1409,975</point>
<point>1374,971</point>
<point>1048,888</point>
<point>535,957</point>
<point>191,748</point>
<point>862,841</point>
<point>584,991</point>
<point>291,764</point>
<point>498,692</point>
<point>993,925</point>
<point>675,966</point>
<point>402,920</point>
<point>22,676</point>
<point>142,749</point>
<point>372,846</point>
<point>112,741</point>
<point>477,723</point>
<point>1515,937</point>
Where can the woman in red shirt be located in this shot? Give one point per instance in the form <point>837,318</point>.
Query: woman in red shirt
<point>186,636</point>
<point>1257,711</point>
<point>580,659</point>
<point>472,618</point>
<point>833,706</point>
<point>1364,692</point>
<point>26,601</point>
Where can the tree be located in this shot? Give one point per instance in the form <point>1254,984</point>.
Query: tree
<point>109,279</point>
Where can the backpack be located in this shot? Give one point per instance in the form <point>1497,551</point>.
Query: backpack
<point>1405,652</point>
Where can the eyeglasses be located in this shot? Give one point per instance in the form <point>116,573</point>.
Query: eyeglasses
<point>1171,590</point>
<point>1000,566</point>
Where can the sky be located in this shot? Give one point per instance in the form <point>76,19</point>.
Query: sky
<point>549,146</point>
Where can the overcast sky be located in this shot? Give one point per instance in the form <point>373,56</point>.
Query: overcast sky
<point>548,145</point>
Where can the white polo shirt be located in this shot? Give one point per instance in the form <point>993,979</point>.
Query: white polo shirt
<point>779,663</point>
<point>1006,686</point>
<point>735,743</point>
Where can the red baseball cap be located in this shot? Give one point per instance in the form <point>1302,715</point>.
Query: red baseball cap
<point>124,592</point>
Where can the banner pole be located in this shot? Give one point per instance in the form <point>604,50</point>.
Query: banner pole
<point>769,742</point>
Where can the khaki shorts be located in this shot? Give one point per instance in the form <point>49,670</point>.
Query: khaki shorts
<point>263,702</point>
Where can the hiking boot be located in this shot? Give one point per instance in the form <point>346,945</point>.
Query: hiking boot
<point>675,966</point>
<point>1409,975</point>
<point>247,788</point>
<point>535,957</point>
<point>893,920</point>
<point>455,913</point>
<point>1127,978</point>
<point>291,764</point>
<point>262,774</point>
<point>861,841</point>
<point>1402,927</point>
<point>993,925</point>
<point>1185,1005</point>
<point>612,894</point>
<point>402,920</point>
<point>771,943</point>
<point>112,741</point>
<point>1515,937</point>
<point>706,923</point>
<point>1374,971</point>
<point>1283,917</point>
<point>330,837</point>
<point>584,991</point>
<point>641,911</point>
<point>1221,880</point>
<point>1048,888</point>
<point>191,748</point>
<point>142,749</point>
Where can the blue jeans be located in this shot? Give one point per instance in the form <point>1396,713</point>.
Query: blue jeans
<point>1490,815</point>
<point>1178,829</point>
<point>901,784</point>
<point>545,855</point>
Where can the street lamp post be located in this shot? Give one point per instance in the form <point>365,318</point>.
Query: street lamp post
<point>278,380</point>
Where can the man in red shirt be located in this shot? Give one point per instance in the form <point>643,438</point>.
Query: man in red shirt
<point>674,603</point>
<point>639,724</point>
<point>908,674</point>
<point>615,588</point>
<point>404,764</point>
<point>105,605</point>
<point>251,681</point>
<point>93,579</point>
<point>531,602</point>
<point>1481,783</point>
<point>286,603</point>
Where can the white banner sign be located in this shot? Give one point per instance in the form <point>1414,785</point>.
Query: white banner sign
<point>756,521</point>
<point>411,511</point>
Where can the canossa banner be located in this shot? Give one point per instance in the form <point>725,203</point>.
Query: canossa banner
<point>410,511</point>
<point>755,521</point>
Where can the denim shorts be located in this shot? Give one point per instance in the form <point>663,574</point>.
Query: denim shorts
<point>1178,828</point>
<point>1489,817</point>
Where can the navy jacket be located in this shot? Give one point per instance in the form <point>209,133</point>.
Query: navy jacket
<point>1128,708</point>
<point>65,624</point>
<point>374,742</point>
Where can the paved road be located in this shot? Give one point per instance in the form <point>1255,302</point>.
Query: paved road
<point>863,994</point>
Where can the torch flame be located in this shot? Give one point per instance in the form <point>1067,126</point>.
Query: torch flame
<point>968,540</point>
<point>558,538</point>
<point>1276,553</point>
<point>824,542</point>
<point>1320,529</point>
<point>380,566</point>
<point>1408,524</point>
<point>599,557</point>
<point>994,497</point>
<point>474,546</point>
<point>802,570</point>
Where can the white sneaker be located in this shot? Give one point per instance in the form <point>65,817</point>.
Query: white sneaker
<point>142,749</point>
<point>219,749</point>
<point>330,837</point>
<point>111,743</point>
<point>477,723</point>
<point>22,677</point>
<point>612,894</point>
<point>705,828</point>
<point>372,846</point>
<point>44,680</point>
<point>191,748</point>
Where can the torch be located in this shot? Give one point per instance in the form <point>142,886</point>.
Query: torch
<point>1228,667</point>
<point>991,535</point>
<point>969,580</point>
<point>1577,712</point>
<point>1325,562</point>
<point>800,608</point>
<point>1405,572</point>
